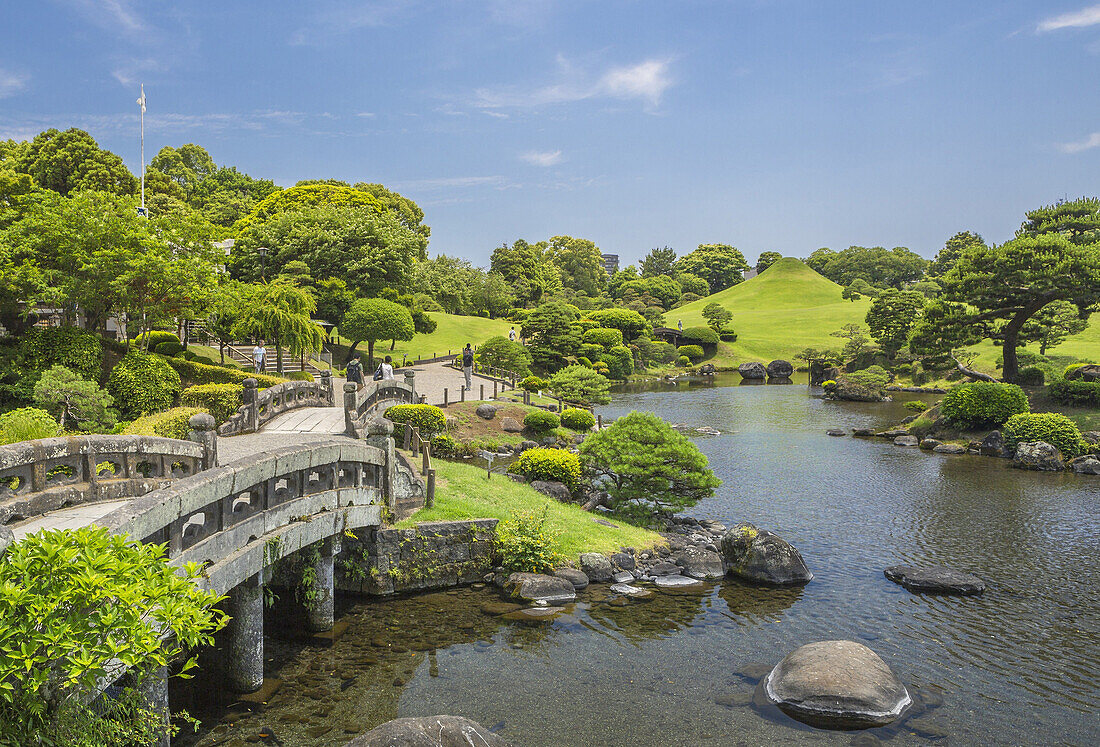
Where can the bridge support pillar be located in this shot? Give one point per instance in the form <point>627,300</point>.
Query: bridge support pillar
<point>245,664</point>
<point>204,432</point>
<point>320,615</point>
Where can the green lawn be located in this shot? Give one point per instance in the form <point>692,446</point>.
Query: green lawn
<point>452,332</point>
<point>463,492</point>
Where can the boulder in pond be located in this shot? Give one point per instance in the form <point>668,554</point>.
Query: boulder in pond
<point>836,432</point>
<point>935,580</point>
<point>1038,455</point>
<point>555,490</point>
<point>752,370</point>
<point>6,538</point>
<point>429,731</point>
<point>486,411</point>
<point>949,449</point>
<point>538,587</point>
<point>573,576</point>
<point>780,369</point>
<point>928,444</point>
<point>906,441</point>
<point>763,557</point>
<point>629,590</point>
<point>837,685</point>
<point>707,369</point>
<point>1082,465</point>
<point>511,425</point>
<point>698,562</point>
<point>994,445</point>
<point>596,566</point>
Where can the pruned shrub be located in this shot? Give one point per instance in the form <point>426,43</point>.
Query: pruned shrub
<point>27,424</point>
<point>683,361</point>
<point>534,384</point>
<point>1078,393</point>
<point>605,337</point>
<point>692,352</point>
<point>655,351</point>
<point>585,386</point>
<point>203,373</point>
<point>699,336</point>
<point>169,348</point>
<point>526,543</point>
<point>576,419</point>
<point>620,362</point>
<point>983,404</point>
<point>1030,376</point>
<point>590,351</point>
<point>168,424</point>
<point>142,384</point>
<point>428,419</point>
<point>156,337</point>
<point>630,322</point>
<point>727,335</point>
<point>220,400</point>
<point>445,446</point>
<point>541,420</point>
<point>916,405</point>
<point>76,349</point>
<point>1052,427</point>
<point>299,376</point>
<point>550,465</point>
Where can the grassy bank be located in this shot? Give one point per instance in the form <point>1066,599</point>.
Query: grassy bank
<point>463,492</point>
<point>452,332</point>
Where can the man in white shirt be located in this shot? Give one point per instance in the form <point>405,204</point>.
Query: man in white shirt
<point>512,334</point>
<point>259,357</point>
<point>387,369</point>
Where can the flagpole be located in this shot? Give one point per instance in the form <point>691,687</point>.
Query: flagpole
<point>143,149</point>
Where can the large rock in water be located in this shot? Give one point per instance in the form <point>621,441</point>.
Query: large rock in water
<point>429,731</point>
<point>596,566</point>
<point>837,685</point>
<point>994,445</point>
<point>780,369</point>
<point>935,580</point>
<point>1038,455</point>
<point>1082,465</point>
<point>536,587</point>
<point>763,557</point>
<point>698,562</point>
<point>752,370</point>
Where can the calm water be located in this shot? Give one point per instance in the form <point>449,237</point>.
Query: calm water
<point>1018,665</point>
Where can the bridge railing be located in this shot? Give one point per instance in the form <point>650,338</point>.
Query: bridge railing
<point>53,473</point>
<point>259,407</point>
<point>360,405</point>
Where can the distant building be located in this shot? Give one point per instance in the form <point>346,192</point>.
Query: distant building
<point>751,273</point>
<point>610,263</point>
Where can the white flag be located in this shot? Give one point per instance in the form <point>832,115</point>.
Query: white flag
<point>141,101</point>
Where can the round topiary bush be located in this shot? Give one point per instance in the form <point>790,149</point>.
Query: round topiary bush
<point>693,352</point>
<point>582,385</point>
<point>699,335</point>
<point>27,424</point>
<point>983,404</point>
<point>143,384</point>
<point>1052,427</point>
<point>620,362</point>
<point>541,420</point>
<point>590,351</point>
<point>605,337</point>
<point>428,419</point>
<point>550,465</point>
<point>156,337</point>
<point>683,361</point>
<point>220,400</point>
<point>576,419</point>
<point>1031,376</point>
<point>76,349</point>
<point>169,348</point>
<point>534,384</point>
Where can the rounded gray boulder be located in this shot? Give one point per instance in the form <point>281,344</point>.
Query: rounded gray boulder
<point>486,411</point>
<point>429,731</point>
<point>596,566</point>
<point>763,557</point>
<point>752,370</point>
<point>780,369</point>
<point>837,685</point>
<point>538,587</point>
<point>1038,455</point>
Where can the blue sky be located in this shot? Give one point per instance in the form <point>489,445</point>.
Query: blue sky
<point>769,125</point>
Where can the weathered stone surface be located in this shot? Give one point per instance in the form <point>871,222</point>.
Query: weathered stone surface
<point>935,580</point>
<point>486,411</point>
<point>994,445</point>
<point>511,425</point>
<point>1082,465</point>
<point>676,582</point>
<point>949,449</point>
<point>622,577</point>
<point>906,441</point>
<point>624,561</point>
<point>863,432</point>
<point>836,432</point>
<point>542,614</point>
<point>1038,455</point>
<point>6,538</point>
<point>752,370</point>
<point>629,590</point>
<point>429,731</point>
<point>780,369</point>
<point>573,576</point>
<point>700,563</point>
<point>852,390</point>
<point>525,445</point>
<point>664,568</point>
<point>596,566</point>
<point>707,369</point>
<point>763,557</point>
<point>1089,372</point>
<point>837,684</point>
<point>929,443</point>
<point>536,587</point>
<point>555,490</point>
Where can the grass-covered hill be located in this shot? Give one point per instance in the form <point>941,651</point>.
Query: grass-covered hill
<point>452,332</point>
<point>779,312</point>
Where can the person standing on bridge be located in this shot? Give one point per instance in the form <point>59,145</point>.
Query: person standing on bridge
<point>468,366</point>
<point>259,357</point>
<point>355,372</point>
<point>387,369</point>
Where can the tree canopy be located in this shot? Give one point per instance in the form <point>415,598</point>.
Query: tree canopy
<point>580,263</point>
<point>658,262</point>
<point>374,319</point>
<point>720,265</point>
<point>71,161</point>
<point>878,266</point>
<point>891,316</point>
<point>952,250</point>
<point>529,269</point>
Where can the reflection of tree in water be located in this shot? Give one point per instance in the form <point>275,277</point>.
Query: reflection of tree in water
<point>750,605</point>
<point>641,619</point>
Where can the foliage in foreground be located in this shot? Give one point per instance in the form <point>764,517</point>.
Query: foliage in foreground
<point>26,424</point>
<point>75,604</point>
<point>428,419</point>
<point>1052,427</point>
<point>645,465</point>
<point>75,400</point>
<point>576,419</point>
<point>526,542</point>
<point>172,423</point>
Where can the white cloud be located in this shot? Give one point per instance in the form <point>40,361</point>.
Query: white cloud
<point>11,83</point>
<point>345,17</point>
<point>114,15</point>
<point>1089,16</point>
<point>1092,141</point>
<point>546,158</point>
<point>646,81</point>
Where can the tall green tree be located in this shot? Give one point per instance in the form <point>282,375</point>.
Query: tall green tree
<point>1078,220</point>
<point>766,260</point>
<point>952,250</point>
<point>658,262</point>
<point>72,160</point>
<point>529,269</point>
<point>552,335</point>
<point>405,210</point>
<point>580,264</point>
<point>891,316</point>
<point>374,319</point>
<point>282,312</point>
<point>717,316</point>
<point>721,265</point>
<point>74,400</point>
<point>878,266</point>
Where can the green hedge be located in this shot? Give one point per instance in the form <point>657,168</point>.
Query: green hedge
<point>591,351</point>
<point>727,336</point>
<point>683,361</point>
<point>700,335</point>
<point>1030,376</point>
<point>156,337</point>
<point>428,419</point>
<point>620,362</point>
<point>142,384</point>
<point>551,465</point>
<point>1052,427</point>
<point>220,400</point>
<point>27,424</point>
<point>692,352</point>
<point>76,349</point>
<point>201,373</point>
<point>541,420</point>
<point>983,404</point>
<point>169,348</point>
<point>576,419</point>
<point>168,424</point>
<point>605,337</point>
<point>1079,393</point>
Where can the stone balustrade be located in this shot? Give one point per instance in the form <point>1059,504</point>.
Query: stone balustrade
<point>361,405</point>
<point>259,407</point>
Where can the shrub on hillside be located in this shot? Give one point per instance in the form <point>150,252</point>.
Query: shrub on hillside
<point>605,337</point>
<point>27,424</point>
<point>428,419</point>
<point>576,419</point>
<point>692,352</point>
<point>169,348</point>
<point>683,361</point>
<point>983,404</point>
<point>168,424</point>
<point>1052,427</point>
<point>629,322</point>
<point>699,336</point>
<point>1077,393</point>
<point>156,337</point>
<point>620,362</point>
<point>541,420</point>
<point>1030,376</point>
<point>76,349</point>
<point>202,373</point>
<point>550,465</point>
<point>220,400</point>
<point>581,385</point>
<point>526,543</point>
<point>727,335</point>
<point>445,446</point>
<point>142,383</point>
<point>534,384</point>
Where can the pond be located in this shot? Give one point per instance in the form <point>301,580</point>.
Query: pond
<point>1018,664</point>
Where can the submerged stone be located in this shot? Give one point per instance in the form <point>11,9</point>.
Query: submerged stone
<point>935,580</point>
<point>628,590</point>
<point>676,582</point>
<point>429,731</point>
<point>539,587</point>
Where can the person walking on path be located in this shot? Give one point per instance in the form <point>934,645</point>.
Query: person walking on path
<point>512,334</point>
<point>259,357</point>
<point>387,369</point>
<point>468,366</point>
<point>355,372</point>
<point>680,324</point>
